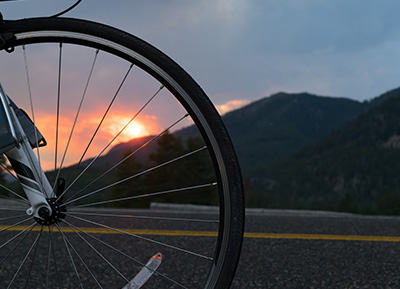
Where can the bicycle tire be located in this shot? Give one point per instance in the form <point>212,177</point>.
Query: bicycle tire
<point>190,96</point>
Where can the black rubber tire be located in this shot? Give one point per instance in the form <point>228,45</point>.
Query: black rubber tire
<point>189,94</point>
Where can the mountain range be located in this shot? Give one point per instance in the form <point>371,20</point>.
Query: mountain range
<point>313,152</point>
<point>281,124</point>
<point>352,168</point>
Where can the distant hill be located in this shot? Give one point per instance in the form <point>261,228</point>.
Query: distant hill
<point>356,168</point>
<point>281,124</point>
<point>120,150</point>
<point>267,129</point>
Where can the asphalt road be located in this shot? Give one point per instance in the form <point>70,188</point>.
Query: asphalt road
<point>280,250</point>
<point>319,250</point>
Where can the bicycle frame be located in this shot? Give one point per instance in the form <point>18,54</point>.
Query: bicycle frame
<point>25,163</point>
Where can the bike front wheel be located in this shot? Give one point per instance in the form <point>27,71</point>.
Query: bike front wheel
<point>132,143</point>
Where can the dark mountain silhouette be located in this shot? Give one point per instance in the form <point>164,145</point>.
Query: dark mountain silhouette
<point>270,128</point>
<point>279,125</point>
<point>119,151</point>
<point>354,168</point>
<point>267,129</point>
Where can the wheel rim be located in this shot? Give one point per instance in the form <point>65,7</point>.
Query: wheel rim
<point>222,179</point>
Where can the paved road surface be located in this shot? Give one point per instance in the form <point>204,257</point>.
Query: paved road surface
<point>281,250</point>
<point>314,251</point>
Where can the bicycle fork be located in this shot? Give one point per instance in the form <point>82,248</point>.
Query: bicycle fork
<point>23,160</point>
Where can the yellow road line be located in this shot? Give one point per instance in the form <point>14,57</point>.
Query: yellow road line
<point>323,237</point>
<point>214,234</point>
<point>131,231</point>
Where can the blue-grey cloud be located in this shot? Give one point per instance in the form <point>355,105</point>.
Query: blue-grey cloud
<point>241,49</point>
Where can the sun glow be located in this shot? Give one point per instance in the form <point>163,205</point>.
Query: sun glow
<point>116,128</point>
<point>126,128</point>
<point>134,129</point>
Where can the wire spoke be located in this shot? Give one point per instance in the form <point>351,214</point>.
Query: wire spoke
<point>31,104</point>
<point>143,238</point>
<point>148,195</point>
<point>8,171</point>
<point>115,137</point>
<point>30,228</point>
<point>24,260</point>
<point>54,256</point>
<point>127,157</point>
<point>14,193</point>
<point>16,236</point>
<point>58,104</point>
<point>136,175</point>
<point>33,257</point>
<point>70,255</point>
<point>49,259</point>
<point>19,242</point>
<point>76,117</point>
<point>101,122</point>
<point>144,217</point>
<point>16,224</point>
<point>121,253</point>
<point>16,209</point>
<point>80,258</point>
<point>99,254</point>
<point>13,217</point>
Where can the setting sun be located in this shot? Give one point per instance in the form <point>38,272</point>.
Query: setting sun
<point>134,129</point>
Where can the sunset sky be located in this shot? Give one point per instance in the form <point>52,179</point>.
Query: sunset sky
<point>242,50</point>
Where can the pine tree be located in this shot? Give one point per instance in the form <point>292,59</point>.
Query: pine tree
<point>192,170</point>
<point>166,177</point>
<point>132,185</point>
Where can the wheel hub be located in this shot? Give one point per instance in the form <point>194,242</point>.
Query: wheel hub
<point>58,213</point>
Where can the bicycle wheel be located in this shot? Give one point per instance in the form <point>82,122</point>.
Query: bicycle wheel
<point>131,138</point>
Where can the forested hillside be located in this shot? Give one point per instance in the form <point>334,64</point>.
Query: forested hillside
<point>355,168</point>
<point>281,124</point>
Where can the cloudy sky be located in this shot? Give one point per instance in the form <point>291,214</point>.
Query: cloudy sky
<point>243,50</point>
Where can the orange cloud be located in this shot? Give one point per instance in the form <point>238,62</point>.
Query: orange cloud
<point>231,105</point>
<point>83,133</point>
